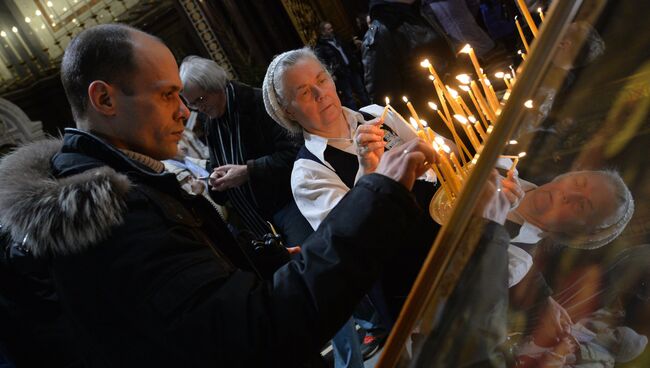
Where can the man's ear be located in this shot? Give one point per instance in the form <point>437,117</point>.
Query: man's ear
<point>101,97</point>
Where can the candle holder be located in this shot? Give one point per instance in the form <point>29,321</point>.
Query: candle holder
<point>441,205</point>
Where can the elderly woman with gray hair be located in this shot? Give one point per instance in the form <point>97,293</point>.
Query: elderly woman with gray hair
<point>340,147</point>
<point>300,95</point>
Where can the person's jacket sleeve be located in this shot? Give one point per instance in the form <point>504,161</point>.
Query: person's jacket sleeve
<point>190,302</point>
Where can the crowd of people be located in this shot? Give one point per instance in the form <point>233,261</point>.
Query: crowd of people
<point>295,218</point>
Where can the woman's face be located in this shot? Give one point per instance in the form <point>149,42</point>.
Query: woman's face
<point>577,202</point>
<point>312,98</point>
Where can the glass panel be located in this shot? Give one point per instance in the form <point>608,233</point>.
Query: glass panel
<point>570,286</point>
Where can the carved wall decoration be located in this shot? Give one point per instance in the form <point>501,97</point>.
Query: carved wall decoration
<point>305,18</point>
<point>16,127</point>
<point>208,38</point>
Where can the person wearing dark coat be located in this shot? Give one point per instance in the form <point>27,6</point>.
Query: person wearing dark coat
<point>398,39</point>
<point>344,65</point>
<point>250,156</point>
<point>138,272</point>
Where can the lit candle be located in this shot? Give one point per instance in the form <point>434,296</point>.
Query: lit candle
<point>414,114</point>
<point>529,19</point>
<point>469,131</point>
<point>453,178</point>
<point>515,161</point>
<point>541,14</point>
<point>386,108</point>
<point>447,171</point>
<point>522,54</point>
<point>459,143</point>
<point>478,127</point>
<point>452,101</point>
<point>492,97</point>
<point>481,114</point>
<point>459,167</point>
<point>440,90</point>
<point>443,185</point>
<point>521,35</point>
<point>487,110</point>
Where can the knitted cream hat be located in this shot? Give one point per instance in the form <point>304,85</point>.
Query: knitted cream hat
<point>270,94</point>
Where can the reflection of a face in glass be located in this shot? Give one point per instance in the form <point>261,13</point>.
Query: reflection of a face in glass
<point>576,203</point>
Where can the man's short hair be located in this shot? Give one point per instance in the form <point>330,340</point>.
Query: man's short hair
<point>203,73</point>
<point>321,26</point>
<point>103,52</point>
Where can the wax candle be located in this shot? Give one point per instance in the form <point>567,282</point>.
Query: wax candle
<point>529,19</point>
<point>522,35</point>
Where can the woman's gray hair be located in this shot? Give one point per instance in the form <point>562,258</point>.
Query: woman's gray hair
<point>613,226</point>
<point>203,73</point>
<point>273,90</point>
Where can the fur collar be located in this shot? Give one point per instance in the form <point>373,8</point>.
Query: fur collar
<point>58,216</point>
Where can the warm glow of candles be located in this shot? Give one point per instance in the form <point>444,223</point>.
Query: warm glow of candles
<point>459,167</point>
<point>485,108</point>
<point>529,19</point>
<point>528,104</point>
<point>522,36</point>
<point>478,127</point>
<point>541,14</point>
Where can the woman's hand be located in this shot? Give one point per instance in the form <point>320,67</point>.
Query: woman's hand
<point>512,189</point>
<point>228,176</point>
<point>369,139</point>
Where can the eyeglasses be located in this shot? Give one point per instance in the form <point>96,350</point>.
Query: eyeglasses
<point>194,105</point>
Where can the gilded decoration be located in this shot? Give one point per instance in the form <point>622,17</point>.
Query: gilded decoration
<point>207,36</point>
<point>305,19</point>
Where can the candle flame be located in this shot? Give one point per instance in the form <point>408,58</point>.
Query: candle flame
<point>466,49</point>
<point>387,100</point>
<point>464,88</point>
<point>27,20</point>
<point>487,82</point>
<point>439,140</point>
<point>521,154</point>
<point>513,141</point>
<point>508,76</point>
<point>490,129</point>
<point>433,106</point>
<point>472,119</point>
<point>515,18</point>
<point>499,75</point>
<point>425,63</point>
<point>446,148</point>
<point>506,95</point>
<point>519,52</point>
<point>463,78</point>
<point>424,123</point>
<point>539,10</point>
<point>432,77</point>
<point>405,99</point>
<point>14,29</point>
<point>461,119</point>
<point>38,13</point>
<point>452,91</point>
<point>413,123</point>
<point>529,104</point>
<point>3,33</point>
<point>436,147</point>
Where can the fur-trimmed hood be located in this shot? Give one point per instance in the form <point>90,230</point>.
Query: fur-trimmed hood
<point>58,216</point>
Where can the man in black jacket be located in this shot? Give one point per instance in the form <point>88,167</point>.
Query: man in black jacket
<point>250,155</point>
<point>344,65</point>
<point>143,274</point>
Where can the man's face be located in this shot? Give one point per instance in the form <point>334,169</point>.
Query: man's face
<point>575,203</point>
<point>151,119</point>
<point>327,31</point>
<point>212,104</point>
<point>312,97</point>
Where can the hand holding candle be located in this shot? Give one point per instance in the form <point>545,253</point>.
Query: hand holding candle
<point>369,139</point>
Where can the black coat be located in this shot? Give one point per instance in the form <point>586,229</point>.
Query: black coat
<point>333,60</point>
<point>148,276</point>
<point>268,150</point>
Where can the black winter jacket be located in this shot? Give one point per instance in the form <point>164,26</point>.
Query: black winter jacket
<point>268,150</point>
<point>147,276</point>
